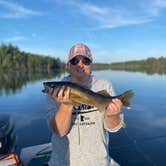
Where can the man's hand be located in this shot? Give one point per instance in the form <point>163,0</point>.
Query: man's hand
<point>114,108</point>
<point>112,114</point>
<point>61,95</point>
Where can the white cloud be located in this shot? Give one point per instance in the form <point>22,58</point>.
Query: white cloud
<point>14,39</point>
<point>139,12</point>
<point>13,10</point>
<point>153,7</point>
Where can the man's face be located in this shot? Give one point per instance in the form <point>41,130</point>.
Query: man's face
<point>80,67</point>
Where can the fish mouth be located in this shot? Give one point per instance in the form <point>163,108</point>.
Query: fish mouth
<point>46,88</point>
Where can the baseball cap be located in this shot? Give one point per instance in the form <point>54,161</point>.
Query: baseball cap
<point>79,49</point>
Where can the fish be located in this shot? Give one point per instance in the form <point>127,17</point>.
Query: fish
<point>82,95</point>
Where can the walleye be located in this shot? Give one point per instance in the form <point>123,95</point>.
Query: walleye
<point>79,94</point>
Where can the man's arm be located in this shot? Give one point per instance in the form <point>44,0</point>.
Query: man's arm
<point>62,118</point>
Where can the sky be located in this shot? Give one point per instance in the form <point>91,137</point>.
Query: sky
<point>114,30</point>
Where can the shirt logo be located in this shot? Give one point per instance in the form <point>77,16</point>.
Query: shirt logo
<point>81,115</point>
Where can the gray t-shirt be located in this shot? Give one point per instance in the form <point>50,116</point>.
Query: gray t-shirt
<point>86,143</point>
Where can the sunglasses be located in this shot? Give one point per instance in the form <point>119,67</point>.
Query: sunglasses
<point>84,60</point>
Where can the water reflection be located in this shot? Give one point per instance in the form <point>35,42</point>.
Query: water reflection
<point>13,81</point>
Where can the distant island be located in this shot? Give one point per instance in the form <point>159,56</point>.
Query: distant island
<point>150,65</point>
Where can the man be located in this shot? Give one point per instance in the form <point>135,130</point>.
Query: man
<point>80,133</point>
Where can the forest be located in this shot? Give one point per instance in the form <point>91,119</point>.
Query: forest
<point>19,67</point>
<point>12,59</point>
<point>150,65</point>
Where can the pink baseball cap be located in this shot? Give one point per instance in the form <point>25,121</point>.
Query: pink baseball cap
<point>79,49</point>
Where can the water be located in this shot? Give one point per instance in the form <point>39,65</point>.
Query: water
<point>143,142</point>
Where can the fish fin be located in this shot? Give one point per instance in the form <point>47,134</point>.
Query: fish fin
<point>104,93</point>
<point>125,98</point>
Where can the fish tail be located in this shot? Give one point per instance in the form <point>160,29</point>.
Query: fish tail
<point>125,98</point>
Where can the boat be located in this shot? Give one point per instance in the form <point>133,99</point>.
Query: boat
<point>7,135</point>
<point>39,152</point>
<point>8,154</point>
<point>8,146</point>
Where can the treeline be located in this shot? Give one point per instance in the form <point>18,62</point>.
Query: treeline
<point>19,67</point>
<point>100,66</point>
<point>14,60</point>
<point>150,65</point>
<point>11,58</point>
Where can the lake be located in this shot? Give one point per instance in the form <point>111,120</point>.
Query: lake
<point>141,143</point>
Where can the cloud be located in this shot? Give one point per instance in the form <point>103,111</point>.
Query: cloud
<point>13,10</point>
<point>111,16</point>
<point>154,7</point>
<point>14,39</point>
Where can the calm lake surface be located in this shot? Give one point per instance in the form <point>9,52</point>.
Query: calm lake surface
<point>141,143</point>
